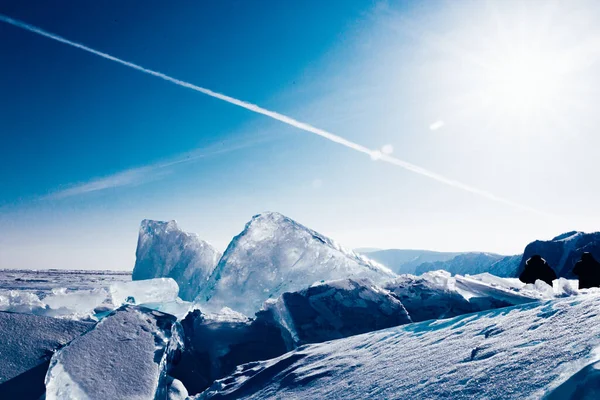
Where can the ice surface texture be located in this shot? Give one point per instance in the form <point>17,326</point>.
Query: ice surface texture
<point>437,294</point>
<point>119,359</point>
<point>520,352</point>
<point>215,344</point>
<point>26,344</point>
<point>333,310</point>
<point>164,250</point>
<point>61,303</point>
<point>275,254</point>
<point>158,290</point>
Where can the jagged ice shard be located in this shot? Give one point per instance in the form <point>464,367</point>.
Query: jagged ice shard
<point>165,251</point>
<point>274,254</point>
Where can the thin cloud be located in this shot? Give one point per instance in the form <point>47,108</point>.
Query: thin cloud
<point>153,172</point>
<point>374,154</point>
<point>134,176</point>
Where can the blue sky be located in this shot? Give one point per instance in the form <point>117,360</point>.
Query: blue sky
<point>470,90</point>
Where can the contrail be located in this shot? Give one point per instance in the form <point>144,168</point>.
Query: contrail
<point>375,154</point>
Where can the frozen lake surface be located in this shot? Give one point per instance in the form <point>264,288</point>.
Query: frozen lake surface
<point>41,282</point>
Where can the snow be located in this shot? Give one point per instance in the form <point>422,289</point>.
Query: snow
<point>525,351</point>
<point>333,310</point>
<point>164,250</point>
<point>583,385</point>
<point>275,254</point>
<point>28,342</point>
<point>21,302</point>
<point>177,391</point>
<point>42,282</point>
<point>156,290</point>
<point>120,358</point>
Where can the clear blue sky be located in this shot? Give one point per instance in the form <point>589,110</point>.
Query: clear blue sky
<point>495,95</point>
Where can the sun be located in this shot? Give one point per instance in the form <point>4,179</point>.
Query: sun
<point>524,81</point>
<point>524,71</point>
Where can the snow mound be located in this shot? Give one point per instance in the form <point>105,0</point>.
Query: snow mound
<point>275,254</point>
<point>526,351</point>
<point>21,302</point>
<point>28,342</point>
<point>333,310</point>
<point>122,358</point>
<point>164,250</point>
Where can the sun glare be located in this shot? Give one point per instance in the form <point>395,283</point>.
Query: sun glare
<point>524,82</point>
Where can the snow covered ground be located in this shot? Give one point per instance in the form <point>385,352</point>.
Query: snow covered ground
<point>531,341</point>
<point>41,282</point>
<point>525,351</point>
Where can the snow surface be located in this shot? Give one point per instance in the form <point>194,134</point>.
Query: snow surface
<point>164,250</point>
<point>275,254</point>
<point>42,282</point>
<point>120,359</point>
<point>26,345</point>
<point>521,352</point>
<point>333,310</point>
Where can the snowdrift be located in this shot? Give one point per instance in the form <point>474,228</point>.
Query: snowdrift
<point>526,351</point>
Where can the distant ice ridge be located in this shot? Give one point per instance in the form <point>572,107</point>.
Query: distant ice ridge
<point>165,251</point>
<point>275,254</point>
<point>494,354</point>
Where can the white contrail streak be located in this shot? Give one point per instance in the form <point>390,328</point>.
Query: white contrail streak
<point>375,154</point>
